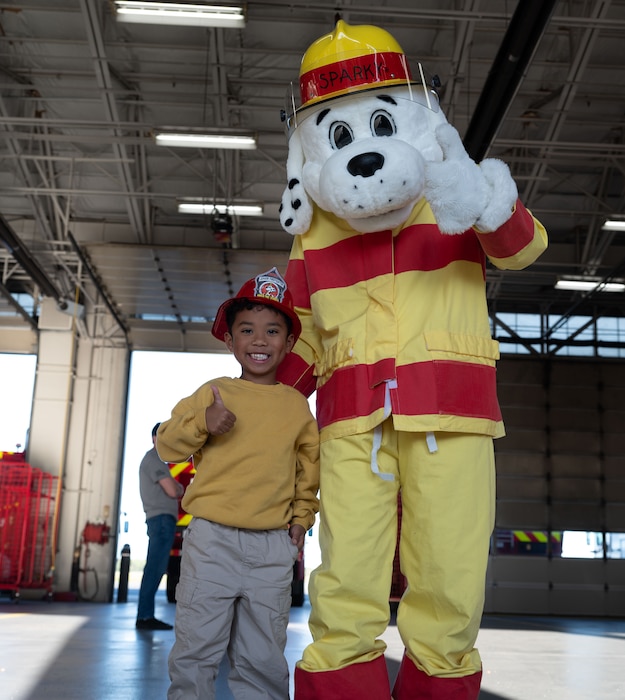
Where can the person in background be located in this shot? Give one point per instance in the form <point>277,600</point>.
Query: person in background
<point>255,446</point>
<point>159,493</point>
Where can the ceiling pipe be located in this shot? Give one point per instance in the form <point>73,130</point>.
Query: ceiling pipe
<point>524,32</point>
<point>23,256</point>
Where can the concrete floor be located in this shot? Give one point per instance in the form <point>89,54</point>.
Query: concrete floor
<point>92,651</point>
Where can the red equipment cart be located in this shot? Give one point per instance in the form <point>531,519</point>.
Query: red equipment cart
<point>28,517</point>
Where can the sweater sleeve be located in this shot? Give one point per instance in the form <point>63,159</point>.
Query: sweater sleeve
<point>185,432</point>
<point>305,501</point>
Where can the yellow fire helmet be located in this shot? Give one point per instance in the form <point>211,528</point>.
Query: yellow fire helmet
<point>351,59</point>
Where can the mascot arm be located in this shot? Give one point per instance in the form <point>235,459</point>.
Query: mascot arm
<point>295,371</point>
<point>517,243</point>
<point>463,194</point>
<point>298,367</point>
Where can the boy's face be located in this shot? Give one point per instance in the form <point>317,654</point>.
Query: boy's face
<point>260,341</point>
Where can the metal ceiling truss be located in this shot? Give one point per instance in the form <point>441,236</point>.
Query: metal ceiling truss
<point>536,83</point>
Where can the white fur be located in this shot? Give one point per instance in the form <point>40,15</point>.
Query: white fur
<point>373,180</point>
<point>463,194</point>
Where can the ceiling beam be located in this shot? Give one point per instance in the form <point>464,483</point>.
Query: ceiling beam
<point>103,78</point>
<point>28,263</point>
<point>523,35</point>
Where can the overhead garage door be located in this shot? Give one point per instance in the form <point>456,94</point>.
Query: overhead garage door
<point>560,468</point>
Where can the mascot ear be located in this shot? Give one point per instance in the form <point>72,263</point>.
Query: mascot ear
<point>295,208</point>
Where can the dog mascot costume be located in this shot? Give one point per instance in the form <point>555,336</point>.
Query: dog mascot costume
<point>392,224</point>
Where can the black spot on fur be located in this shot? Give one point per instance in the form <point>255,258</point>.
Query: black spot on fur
<point>297,204</point>
<point>294,181</point>
<point>288,222</point>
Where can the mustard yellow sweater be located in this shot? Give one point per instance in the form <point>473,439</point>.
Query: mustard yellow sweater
<point>264,473</point>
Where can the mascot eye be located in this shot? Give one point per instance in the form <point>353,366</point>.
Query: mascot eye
<point>340,135</point>
<point>382,124</point>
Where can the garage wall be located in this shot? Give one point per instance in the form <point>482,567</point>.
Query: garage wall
<point>560,467</point>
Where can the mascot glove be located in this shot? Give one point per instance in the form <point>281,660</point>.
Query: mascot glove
<point>503,195</point>
<point>463,194</point>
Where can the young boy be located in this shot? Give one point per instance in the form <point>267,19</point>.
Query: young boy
<point>255,446</point>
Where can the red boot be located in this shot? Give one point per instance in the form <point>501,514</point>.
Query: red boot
<point>413,684</point>
<point>354,682</point>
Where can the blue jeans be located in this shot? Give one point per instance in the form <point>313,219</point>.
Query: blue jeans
<point>161,530</point>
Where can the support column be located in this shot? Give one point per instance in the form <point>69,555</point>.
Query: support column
<point>77,427</point>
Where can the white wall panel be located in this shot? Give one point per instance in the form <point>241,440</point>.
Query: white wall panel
<point>76,432</point>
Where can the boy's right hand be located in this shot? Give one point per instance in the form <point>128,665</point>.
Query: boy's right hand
<point>219,419</point>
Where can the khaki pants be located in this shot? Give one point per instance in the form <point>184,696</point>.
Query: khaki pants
<point>234,595</point>
<point>448,504</point>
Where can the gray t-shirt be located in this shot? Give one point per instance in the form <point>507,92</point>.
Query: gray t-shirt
<point>155,500</point>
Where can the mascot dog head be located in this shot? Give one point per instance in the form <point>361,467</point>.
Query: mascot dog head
<point>362,134</point>
<point>363,143</point>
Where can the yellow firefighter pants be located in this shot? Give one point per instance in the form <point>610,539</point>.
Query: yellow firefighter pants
<point>448,505</point>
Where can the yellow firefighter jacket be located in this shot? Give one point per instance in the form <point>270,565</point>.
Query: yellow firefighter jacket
<point>397,321</point>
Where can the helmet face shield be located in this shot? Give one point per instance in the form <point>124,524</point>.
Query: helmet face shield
<point>292,105</point>
<point>421,91</point>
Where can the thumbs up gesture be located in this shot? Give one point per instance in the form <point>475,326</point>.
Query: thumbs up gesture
<point>219,420</point>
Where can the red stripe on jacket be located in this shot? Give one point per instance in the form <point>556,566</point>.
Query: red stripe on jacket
<point>295,278</point>
<point>297,373</point>
<point>366,256</point>
<point>510,238</point>
<point>438,387</point>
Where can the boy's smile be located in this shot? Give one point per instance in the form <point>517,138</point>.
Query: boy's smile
<point>260,341</point>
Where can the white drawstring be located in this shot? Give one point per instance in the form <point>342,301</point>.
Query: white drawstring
<point>389,384</point>
<point>377,441</point>
<point>377,432</point>
<point>430,438</point>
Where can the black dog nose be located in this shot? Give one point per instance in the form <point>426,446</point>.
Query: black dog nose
<point>365,164</point>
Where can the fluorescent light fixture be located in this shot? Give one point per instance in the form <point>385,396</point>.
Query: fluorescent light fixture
<point>207,208</point>
<point>614,225</point>
<point>226,138</point>
<point>581,285</point>
<point>178,13</point>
